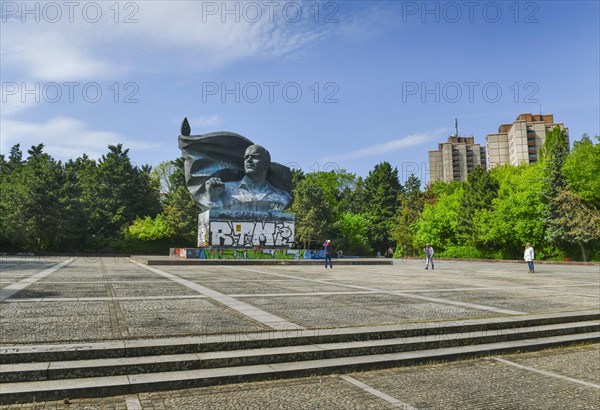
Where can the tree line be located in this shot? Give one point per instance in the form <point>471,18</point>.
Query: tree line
<point>112,205</point>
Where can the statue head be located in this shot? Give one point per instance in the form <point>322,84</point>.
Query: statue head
<point>256,163</point>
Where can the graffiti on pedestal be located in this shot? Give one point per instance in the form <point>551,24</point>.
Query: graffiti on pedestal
<point>246,233</point>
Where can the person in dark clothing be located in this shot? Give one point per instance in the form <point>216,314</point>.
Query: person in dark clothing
<point>327,246</point>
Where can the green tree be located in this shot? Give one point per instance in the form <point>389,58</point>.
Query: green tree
<point>15,158</point>
<point>352,234</point>
<point>314,219</point>
<point>382,189</point>
<point>353,197</point>
<point>31,208</point>
<point>582,169</point>
<point>580,222</point>
<point>555,151</point>
<point>150,229</point>
<point>438,224</point>
<point>579,206</point>
<point>123,192</point>
<point>178,221</point>
<point>516,216</point>
<point>480,190</point>
<point>413,201</point>
<point>179,209</point>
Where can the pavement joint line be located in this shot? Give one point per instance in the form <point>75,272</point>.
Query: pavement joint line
<point>243,308</point>
<point>262,295</point>
<point>398,293</point>
<point>118,323</point>
<point>99,282</point>
<point>132,402</point>
<point>10,290</point>
<point>378,393</point>
<point>573,293</point>
<point>541,287</point>
<point>546,373</point>
<point>105,298</point>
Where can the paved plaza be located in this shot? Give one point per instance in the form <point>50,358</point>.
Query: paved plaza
<point>79,300</point>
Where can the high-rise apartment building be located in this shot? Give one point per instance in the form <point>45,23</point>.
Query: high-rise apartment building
<point>521,141</point>
<point>455,159</point>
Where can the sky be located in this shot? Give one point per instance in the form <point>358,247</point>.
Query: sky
<point>322,85</point>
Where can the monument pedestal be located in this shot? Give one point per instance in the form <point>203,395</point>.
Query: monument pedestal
<point>245,229</point>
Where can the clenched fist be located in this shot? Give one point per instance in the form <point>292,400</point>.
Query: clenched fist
<point>215,188</point>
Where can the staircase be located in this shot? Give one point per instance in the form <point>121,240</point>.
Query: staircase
<point>54,372</point>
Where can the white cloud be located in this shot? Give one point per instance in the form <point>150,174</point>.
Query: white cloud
<point>64,138</point>
<point>204,121</point>
<point>47,55</point>
<point>168,36</point>
<point>14,104</point>
<point>384,148</point>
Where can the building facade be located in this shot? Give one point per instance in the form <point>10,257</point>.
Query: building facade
<point>521,141</point>
<point>455,159</point>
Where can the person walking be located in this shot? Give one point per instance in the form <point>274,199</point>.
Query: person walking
<point>529,256</point>
<point>327,246</point>
<point>428,256</point>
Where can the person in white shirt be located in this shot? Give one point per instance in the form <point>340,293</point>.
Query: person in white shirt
<point>529,256</point>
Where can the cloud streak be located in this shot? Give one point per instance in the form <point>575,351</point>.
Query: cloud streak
<point>179,32</point>
<point>384,148</point>
<point>64,138</point>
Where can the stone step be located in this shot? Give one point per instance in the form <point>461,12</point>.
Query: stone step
<point>137,383</point>
<point>187,361</point>
<point>276,338</point>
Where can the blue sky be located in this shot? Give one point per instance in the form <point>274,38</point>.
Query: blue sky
<point>379,81</point>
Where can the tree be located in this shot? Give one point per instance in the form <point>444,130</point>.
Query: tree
<point>122,193</point>
<point>31,208</point>
<point>313,214</point>
<point>580,223</point>
<point>15,158</point>
<point>179,209</point>
<point>403,233</point>
<point>382,189</point>
<point>516,216</point>
<point>480,190</point>
<point>438,224</point>
<point>555,151</point>
<point>352,234</point>
<point>161,175</point>
<point>582,168</point>
<point>150,229</point>
<point>178,221</point>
